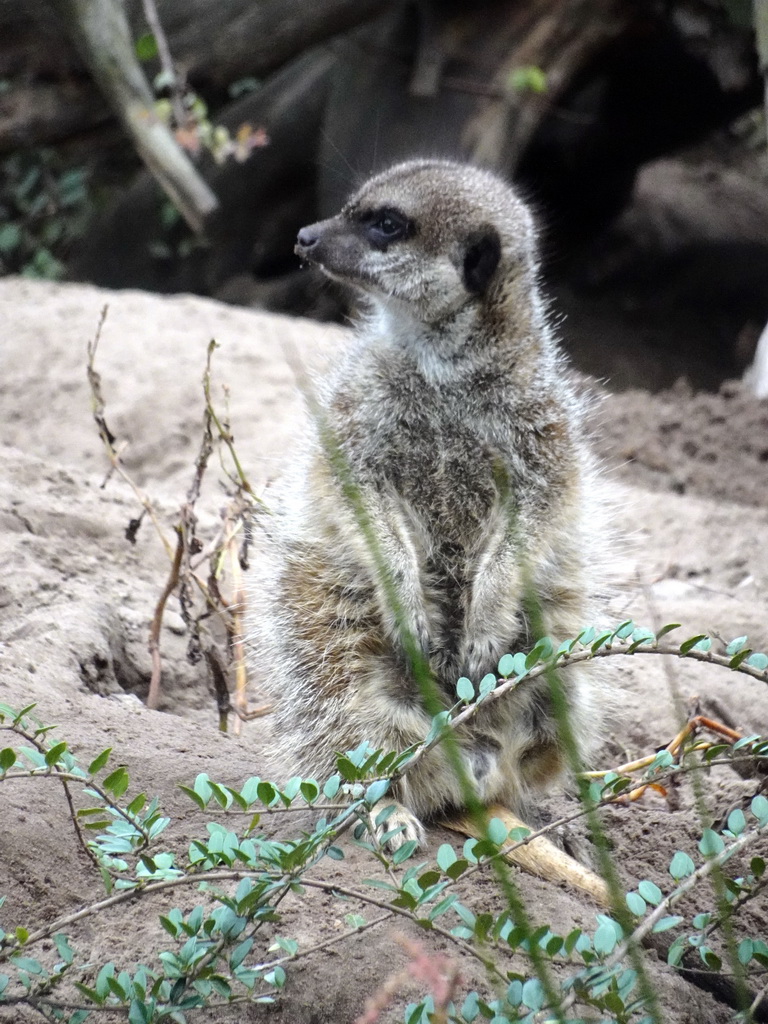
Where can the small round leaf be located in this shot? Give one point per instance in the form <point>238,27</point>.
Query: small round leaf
<point>465,689</point>
<point>681,866</point>
<point>636,904</point>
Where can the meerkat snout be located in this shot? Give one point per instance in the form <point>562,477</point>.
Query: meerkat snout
<point>454,419</point>
<point>306,239</point>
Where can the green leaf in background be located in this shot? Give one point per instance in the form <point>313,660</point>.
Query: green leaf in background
<point>146,46</point>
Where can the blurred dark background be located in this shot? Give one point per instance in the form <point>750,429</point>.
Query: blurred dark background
<point>636,130</point>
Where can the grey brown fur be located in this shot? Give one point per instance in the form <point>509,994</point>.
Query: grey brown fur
<point>455,418</point>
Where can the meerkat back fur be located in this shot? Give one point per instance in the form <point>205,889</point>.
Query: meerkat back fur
<point>456,425</point>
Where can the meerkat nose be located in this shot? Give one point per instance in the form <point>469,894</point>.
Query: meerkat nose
<point>307,238</point>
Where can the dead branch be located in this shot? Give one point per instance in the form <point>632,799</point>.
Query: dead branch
<point>220,687</point>
<point>114,451</point>
<point>153,696</point>
<point>224,552</point>
<point>237,605</point>
<point>224,432</point>
<point>166,60</point>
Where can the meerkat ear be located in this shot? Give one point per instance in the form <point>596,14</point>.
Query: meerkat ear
<point>481,258</point>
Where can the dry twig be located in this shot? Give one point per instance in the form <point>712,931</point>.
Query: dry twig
<point>153,697</point>
<point>222,554</point>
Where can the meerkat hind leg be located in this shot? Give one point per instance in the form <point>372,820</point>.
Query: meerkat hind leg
<point>540,857</point>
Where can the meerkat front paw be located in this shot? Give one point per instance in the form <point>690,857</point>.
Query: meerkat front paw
<point>412,631</point>
<point>421,634</point>
<point>478,657</point>
<point>414,642</point>
<point>398,827</point>
<point>418,631</point>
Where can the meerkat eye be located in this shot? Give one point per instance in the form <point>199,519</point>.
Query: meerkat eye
<point>383,227</point>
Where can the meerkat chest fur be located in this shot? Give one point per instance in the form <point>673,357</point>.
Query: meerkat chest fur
<point>453,440</point>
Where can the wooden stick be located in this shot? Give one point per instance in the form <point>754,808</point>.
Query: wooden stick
<point>236,607</point>
<point>153,697</point>
<point>540,856</point>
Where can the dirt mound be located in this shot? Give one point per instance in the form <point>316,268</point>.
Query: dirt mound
<point>711,445</point>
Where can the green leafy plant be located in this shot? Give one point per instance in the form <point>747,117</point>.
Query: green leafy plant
<point>231,947</point>
<point>45,206</point>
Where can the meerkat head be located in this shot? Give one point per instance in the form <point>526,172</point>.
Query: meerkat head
<point>431,235</point>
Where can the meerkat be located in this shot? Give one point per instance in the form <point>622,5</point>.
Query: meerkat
<point>453,421</point>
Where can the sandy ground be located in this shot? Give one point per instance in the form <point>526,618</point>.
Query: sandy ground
<point>76,599</point>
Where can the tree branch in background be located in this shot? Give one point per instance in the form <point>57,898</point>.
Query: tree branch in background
<point>166,61</point>
<point>101,32</point>
<point>547,46</point>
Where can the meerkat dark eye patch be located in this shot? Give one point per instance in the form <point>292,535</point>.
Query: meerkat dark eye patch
<point>481,258</point>
<point>384,226</point>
